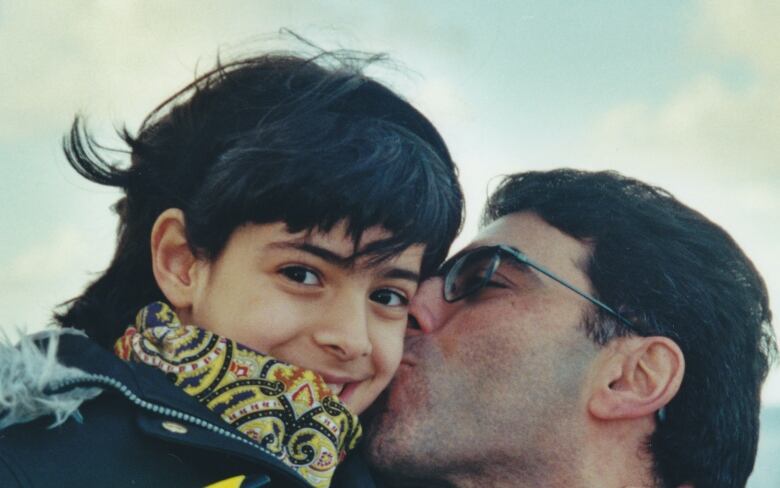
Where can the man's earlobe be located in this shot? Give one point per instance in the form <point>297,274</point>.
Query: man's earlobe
<point>173,262</point>
<point>639,376</point>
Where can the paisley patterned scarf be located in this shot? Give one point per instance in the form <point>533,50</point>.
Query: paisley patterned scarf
<point>288,410</point>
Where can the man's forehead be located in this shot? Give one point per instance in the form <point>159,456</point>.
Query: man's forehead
<point>540,241</point>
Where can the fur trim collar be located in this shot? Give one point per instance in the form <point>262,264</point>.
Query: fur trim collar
<point>27,369</point>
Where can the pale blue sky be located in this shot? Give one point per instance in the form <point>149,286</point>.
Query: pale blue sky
<point>683,94</point>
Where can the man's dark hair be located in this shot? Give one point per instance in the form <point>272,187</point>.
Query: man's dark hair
<point>676,274</point>
<point>272,138</point>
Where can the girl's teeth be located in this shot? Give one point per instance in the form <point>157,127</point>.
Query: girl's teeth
<point>335,389</point>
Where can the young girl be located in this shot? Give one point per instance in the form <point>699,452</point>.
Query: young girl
<point>278,214</point>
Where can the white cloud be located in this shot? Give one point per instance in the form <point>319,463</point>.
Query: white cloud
<point>119,59</point>
<point>710,122</point>
<point>704,125</point>
<point>48,260</point>
<point>47,273</point>
<point>142,51</point>
<point>444,98</point>
<point>746,29</point>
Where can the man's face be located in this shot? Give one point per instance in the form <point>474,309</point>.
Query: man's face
<point>496,376</point>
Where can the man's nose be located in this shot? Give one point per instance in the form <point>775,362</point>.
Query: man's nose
<point>343,329</point>
<point>428,306</point>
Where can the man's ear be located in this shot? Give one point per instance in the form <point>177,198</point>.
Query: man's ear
<point>637,377</point>
<point>173,263</point>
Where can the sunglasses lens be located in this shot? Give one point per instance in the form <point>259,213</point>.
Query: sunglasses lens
<point>469,273</point>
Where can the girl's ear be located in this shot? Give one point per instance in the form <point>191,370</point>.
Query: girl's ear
<point>173,263</point>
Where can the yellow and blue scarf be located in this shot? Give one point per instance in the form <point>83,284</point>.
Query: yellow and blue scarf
<point>288,410</point>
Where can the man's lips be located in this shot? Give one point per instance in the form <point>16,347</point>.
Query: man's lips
<point>407,360</point>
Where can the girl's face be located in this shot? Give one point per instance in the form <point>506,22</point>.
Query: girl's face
<point>298,297</point>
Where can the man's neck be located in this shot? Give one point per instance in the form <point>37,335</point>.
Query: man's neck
<point>589,469</point>
<point>548,471</point>
<point>617,456</point>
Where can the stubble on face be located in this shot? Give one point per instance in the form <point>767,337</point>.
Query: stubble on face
<point>448,419</point>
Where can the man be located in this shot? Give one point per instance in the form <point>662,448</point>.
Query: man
<point>597,333</point>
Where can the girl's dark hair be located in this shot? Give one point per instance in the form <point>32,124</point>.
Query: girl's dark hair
<point>674,273</point>
<point>272,138</point>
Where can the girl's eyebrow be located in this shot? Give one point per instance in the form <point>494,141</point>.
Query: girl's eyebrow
<point>319,251</point>
<point>341,261</point>
<point>402,274</point>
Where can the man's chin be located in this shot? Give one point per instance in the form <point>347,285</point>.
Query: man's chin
<point>380,420</point>
<point>390,449</point>
<point>396,420</point>
<point>380,426</point>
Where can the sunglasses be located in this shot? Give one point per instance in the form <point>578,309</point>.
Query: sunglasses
<point>468,273</point>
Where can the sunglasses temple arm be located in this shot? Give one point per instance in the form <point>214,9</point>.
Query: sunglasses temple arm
<point>584,295</point>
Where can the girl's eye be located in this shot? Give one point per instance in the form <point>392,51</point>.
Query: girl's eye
<point>302,275</point>
<point>390,298</point>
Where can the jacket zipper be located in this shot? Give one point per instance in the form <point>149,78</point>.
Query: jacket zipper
<point>117,385</point>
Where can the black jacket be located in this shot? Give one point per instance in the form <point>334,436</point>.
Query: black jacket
<point>141,431</point>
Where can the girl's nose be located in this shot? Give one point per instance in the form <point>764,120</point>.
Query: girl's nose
<point>343,329</point>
